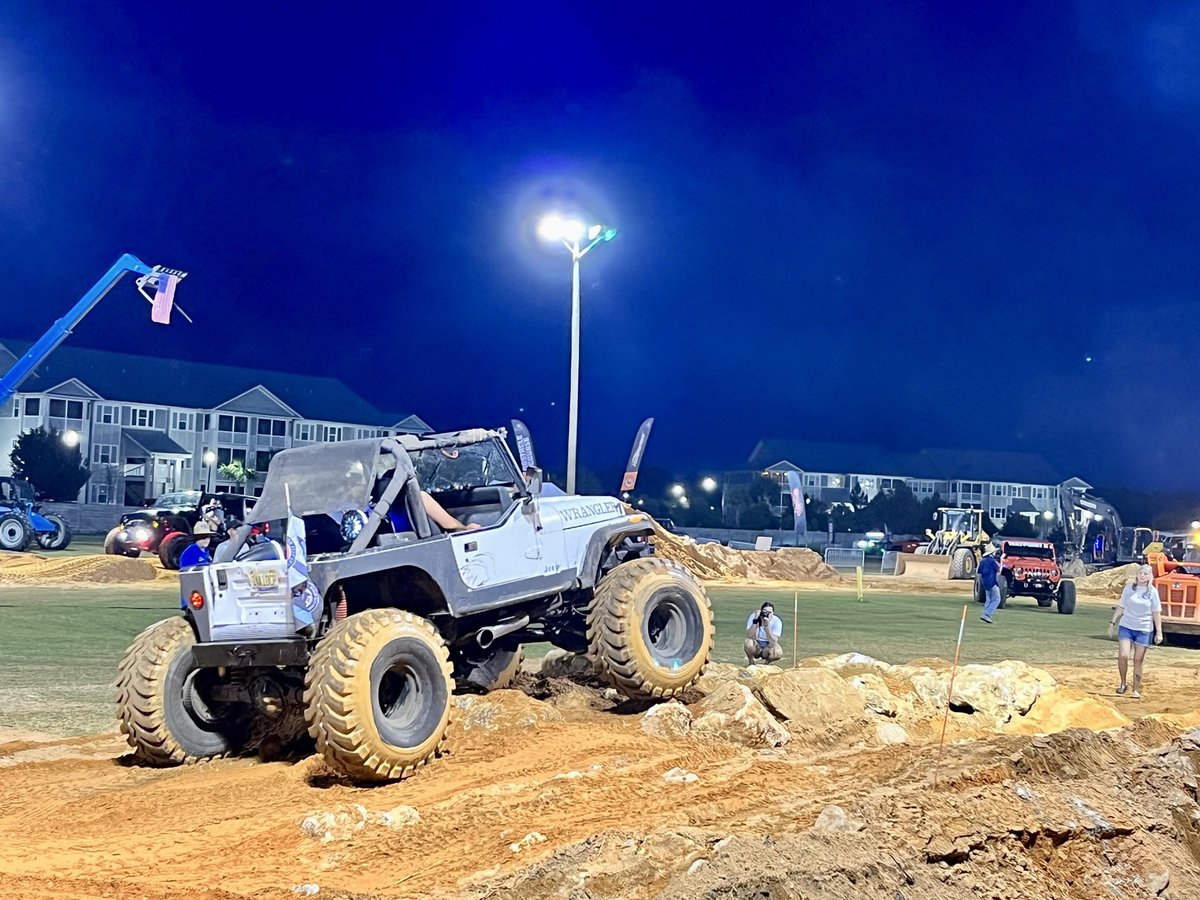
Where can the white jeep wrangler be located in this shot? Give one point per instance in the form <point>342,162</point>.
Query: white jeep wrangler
<point>361,637</point>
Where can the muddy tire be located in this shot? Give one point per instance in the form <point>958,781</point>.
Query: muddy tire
<point>14,533</point>
<point>171,549</point>
<point>650,628</point>
<point>1002,583</point>
<point>1066,597</point>
<point>508,674</point>
<point>978,592</point>
<point>162,728</point>
<point>377,695</point>
<point>60,538</point>
<point>963,563</point>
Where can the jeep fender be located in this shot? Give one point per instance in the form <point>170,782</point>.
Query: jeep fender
<point>598,544</point>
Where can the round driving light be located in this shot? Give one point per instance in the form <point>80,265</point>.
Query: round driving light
<point>353,523</point>
<point>1019,572</point>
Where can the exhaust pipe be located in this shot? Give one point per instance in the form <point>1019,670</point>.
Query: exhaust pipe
<point>485,637</point>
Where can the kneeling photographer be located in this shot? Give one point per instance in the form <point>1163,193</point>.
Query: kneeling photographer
<point>763,630</point>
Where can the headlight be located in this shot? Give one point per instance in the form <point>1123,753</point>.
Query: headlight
<point>141,534</point>
<point>353,523</point>
<point>1018,572</point>
<point>1054,573</point>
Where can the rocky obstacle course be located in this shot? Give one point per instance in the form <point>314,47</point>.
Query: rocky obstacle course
<point>714,562</point>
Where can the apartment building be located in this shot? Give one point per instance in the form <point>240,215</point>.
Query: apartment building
<point>148,425</point>
<point>1003,483</point>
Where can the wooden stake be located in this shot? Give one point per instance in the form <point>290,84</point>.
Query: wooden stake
<point>858,573</point>
<point>949,695</point>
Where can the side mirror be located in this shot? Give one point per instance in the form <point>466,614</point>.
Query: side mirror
<point>533,481</point>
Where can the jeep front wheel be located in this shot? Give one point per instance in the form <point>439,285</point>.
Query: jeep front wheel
<point>377,694</point>
<point>161,700</point>
<point>650,628</point>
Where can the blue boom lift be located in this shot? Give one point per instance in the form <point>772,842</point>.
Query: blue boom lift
<point>20,522</point>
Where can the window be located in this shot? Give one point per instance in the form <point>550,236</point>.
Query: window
<point>998,513</point>
<point>207,421</point>
<point>262,460</point>
<point>101,493</point>
<point>181,421</point>
<point>66,409</point>
<point>273,427</point>
<point>105,454</point>
<point>33,406</point>
<point>304,431</point>
<point>226,455</point>
<point>1039,493</point>
<point>140,417</point>
<point>106,414</point>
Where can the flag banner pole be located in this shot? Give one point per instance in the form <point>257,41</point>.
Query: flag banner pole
<point>795,626</point>
<point>949,695</point>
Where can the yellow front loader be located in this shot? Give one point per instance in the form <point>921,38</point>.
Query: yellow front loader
<point>953,551</point>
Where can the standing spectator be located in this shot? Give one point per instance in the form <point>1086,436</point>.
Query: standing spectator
<point>989,578</point>
<point>1138,610</point>
<point>763,630</point>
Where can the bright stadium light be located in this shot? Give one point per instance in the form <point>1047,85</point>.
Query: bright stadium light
<point>708,484</point>
<point>1048,515</point>
<point>571,233</point>
<point>70,438</point>
<point>677,490</point>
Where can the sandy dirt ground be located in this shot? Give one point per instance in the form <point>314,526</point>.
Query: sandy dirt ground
<point>556,790</point>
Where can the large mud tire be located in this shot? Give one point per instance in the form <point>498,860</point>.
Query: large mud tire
<point>978,592</point>
<point>171,549</point>
<point>508,674</point>
<point>14,533</point>
<point>1066,597</point>
<point>162,729</point>
<point>963,563</point>
<point>60,538</point>
<point>1002,583</point>
<point>377,695</point>
<point>650,628</point>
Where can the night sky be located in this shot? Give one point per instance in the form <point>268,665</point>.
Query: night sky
<point>940,226</point>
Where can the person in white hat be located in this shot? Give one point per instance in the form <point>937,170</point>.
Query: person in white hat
<point>196,553</point>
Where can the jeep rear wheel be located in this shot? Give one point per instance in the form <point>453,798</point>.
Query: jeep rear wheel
<point>377,694</point>
<point>14,535</point>
<point>161,701</point>
<point>171,549</point>
<point>650,628</point>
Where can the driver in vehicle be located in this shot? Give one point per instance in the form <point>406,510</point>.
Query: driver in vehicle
<point>438,514</point>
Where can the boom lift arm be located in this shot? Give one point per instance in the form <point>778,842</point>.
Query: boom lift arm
<point>149,277</point>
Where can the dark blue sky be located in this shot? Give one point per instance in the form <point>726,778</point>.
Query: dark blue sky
<point>838,221</point>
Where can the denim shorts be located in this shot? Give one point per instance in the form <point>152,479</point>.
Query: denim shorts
<point>1138,637</point>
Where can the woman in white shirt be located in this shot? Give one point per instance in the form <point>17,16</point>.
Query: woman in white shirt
<point>1139,612</point>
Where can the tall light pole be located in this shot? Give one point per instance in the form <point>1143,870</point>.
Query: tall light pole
<point>572,233</point>
<point>209,459</point>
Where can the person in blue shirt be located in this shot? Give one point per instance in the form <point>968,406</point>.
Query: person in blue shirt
<point>196,553</point>
<point>763,630</point>
<point>989,578</point>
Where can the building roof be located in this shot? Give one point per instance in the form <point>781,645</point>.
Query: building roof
<point>197,385</point>
<point>154,441</point>
<point>938,464</point>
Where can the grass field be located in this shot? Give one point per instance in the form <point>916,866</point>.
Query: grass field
<point>59,647</point>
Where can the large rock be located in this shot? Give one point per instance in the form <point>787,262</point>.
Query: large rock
<point>853,660</point>
<point>501,709</point>
<point>561,664</point>
<point>733,714</point>
<point>815,702</point>
<point>996,693</point>
<point>667,720</point>
<point>715,675</point>
<point>875,693</point>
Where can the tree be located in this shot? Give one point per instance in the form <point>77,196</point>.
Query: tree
<point>236,471</point>
<point>1018,526</point>
<point>55,469</point>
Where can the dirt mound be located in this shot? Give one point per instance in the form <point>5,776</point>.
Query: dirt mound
<point>714,562</point>
<point>31,568</point>
<point>1109,582</point>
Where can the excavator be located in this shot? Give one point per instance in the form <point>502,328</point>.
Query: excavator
<point>1093,533</point>
<point>953,551</point>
